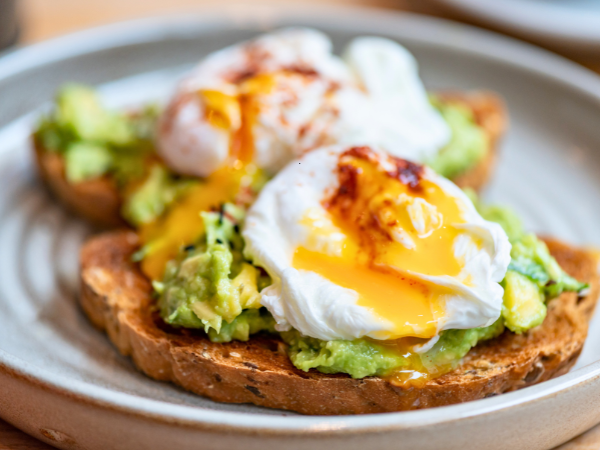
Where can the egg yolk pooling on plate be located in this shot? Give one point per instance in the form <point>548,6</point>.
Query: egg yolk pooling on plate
<point>182,224</point>
<point>394,223</point>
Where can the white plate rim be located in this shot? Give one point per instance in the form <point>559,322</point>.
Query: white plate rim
<point>467,39</point>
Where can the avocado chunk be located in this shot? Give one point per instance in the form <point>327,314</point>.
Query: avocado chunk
<point>210,286</point>
<point>534,276</point>
<point>149,200</point>
<point>84,160</point>
<point>78,108</point>
<point>523,306</point>
<point>454,344</point>
<point>531,257</point>
<point>96,141</point>
<point>249,322</point>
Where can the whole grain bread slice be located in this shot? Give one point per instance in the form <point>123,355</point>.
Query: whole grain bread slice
<point>118,298</point>
<point>99,201</point>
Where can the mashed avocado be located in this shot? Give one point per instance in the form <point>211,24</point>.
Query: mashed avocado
<point>533,276</point>
<point>249,322</point>
<point>86,160</point>
<point>150,198</point>
<point>468,144</point>
<point>454,344</point>
<point>210,286</point>
<point>94,140</point>
<point>365,357</point>
<point>359,358</point>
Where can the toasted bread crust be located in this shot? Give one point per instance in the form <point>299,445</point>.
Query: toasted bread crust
<point>117,298</point>
<point>99,201</point>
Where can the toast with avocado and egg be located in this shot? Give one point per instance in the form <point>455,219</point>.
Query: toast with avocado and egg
<point>264,102</point>
<point>118,298</point>
<point>356,283</point>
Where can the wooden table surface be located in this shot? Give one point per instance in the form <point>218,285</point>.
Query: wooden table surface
<point>42,19</point>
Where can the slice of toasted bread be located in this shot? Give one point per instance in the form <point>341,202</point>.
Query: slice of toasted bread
<point>99,201</point>
<point>118,298</point>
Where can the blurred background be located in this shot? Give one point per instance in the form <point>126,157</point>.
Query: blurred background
<point>41,19</point>
<point>568,27</point>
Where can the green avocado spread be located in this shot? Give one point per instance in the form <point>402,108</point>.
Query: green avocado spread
<point>533,275</point>
<point>468,144</point>
<point>210,286</point>
<point>367,357</point>
<point>150,198</point>
<point>96,142</point>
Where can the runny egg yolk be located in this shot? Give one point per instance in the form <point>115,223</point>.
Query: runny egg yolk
<point>414,373</point>
<point>237,113</point>
<point>182,224</point>
<point>393,221</point>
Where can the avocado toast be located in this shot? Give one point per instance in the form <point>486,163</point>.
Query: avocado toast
<point>204,325</point>
<point>100,199</point>
<point>265,101</point>
<point>118,298</point>
<point>294,231</point>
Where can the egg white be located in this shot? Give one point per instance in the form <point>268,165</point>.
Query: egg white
<point>319,308</point>
<point>371,95</point>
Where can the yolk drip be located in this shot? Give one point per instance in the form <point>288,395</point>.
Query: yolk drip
<point>182,224</point>
<point>222,110</point>
<point>411,310</point>
<point>242,148</point>
<point>414,373</point>
<point>237,113</point>
<point>372,208</point>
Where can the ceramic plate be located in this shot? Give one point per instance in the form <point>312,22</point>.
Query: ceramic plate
<point>572,23</point>
<point>62,381</point>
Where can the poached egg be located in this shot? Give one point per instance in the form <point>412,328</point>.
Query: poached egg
<point>360,243</point>
<point>271,99</point>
